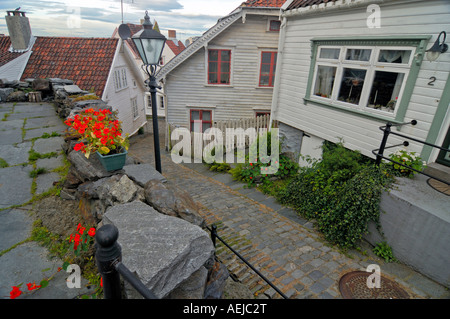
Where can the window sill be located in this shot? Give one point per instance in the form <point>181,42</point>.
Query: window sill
<point>372,116</point>
<point>219,85</point>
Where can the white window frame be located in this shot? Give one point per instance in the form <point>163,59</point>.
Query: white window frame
<point>371,66</point>
<point>135,108</point>
<point>120,79</point>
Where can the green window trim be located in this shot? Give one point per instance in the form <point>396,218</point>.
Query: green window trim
<point>418,41</point>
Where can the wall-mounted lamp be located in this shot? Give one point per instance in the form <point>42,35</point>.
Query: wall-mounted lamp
<point>437,48</point>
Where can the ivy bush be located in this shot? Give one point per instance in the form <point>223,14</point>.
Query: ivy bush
<point>342,192</point>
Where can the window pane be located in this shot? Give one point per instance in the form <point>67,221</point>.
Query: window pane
<point>265,69</point>
<point>264,81</point>
<point>212,78</point>
<point>212,67</point>
<point>213,55</point>
<point>206,116</point>
<point>225,67</point>
<point>195,115</point>
<point>225,78</point>
<point>324,80</point>
<point>225,55</point>
<point>358,54</point>
<point>206,126</point>
<point>329,53</point>
<point>351,85</point>
<point>266,57</point>
<point>385,90</point>
<point>275,25</point>
<point>394,56</point>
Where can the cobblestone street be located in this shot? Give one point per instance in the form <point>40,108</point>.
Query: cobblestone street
<point>283,247</point>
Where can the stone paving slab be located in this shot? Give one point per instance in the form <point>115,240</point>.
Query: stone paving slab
<point>15,154</point>
<point>15,185</point>
<point>17,223</point>
<point>48,145</point>
<point>9,137</point>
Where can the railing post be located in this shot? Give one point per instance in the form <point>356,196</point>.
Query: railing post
<point>387,131</point>
<point>214,234</point>
<point>109,252</point>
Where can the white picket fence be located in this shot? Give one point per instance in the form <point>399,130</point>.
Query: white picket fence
<point>238,128</point>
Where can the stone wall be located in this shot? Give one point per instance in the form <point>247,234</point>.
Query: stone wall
<point>161,233</point>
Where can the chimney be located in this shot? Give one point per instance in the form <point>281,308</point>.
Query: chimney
<point>19,29</point>
<point>172,34</point>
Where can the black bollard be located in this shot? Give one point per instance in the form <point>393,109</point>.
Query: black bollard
<point>108,253</point>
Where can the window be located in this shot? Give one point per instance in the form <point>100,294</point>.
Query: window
<point>134,108</point>
<point>161,100</point>
<point>365,78</point>
<point>219,66</point>
<point>201,120</point>
<point>120,79</point>
<point>268,66</point>
<point>262,114</point>
<point>274,25</point>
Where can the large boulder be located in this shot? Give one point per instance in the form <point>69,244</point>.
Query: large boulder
<point>162,251</point>
<point>170,200</point>
<point>17,96</point>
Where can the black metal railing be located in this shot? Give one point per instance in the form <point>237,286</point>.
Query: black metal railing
<point>379,152</point>
<point>215,236</point>
<point>109,255</point>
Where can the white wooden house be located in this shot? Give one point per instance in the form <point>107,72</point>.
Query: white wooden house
<point>228,73</point>
<point>347,67</point>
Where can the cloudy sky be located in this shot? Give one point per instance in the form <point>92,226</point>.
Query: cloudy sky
<point>99,18</point>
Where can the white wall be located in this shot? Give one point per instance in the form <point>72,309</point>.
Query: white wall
<point>121,100</point>
<point>411,18</point>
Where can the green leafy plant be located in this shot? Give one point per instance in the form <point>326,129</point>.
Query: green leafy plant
<point>341,192</point>
<point>383,250</point>
<point>258,170</point>
<point>406,158</point>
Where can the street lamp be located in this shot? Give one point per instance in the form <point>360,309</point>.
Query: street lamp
<point>150,44</point>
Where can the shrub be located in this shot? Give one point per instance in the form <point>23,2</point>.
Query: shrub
<point>342,192</point>
<point>256,171</point>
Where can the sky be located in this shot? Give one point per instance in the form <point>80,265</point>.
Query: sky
<point>99,18</point>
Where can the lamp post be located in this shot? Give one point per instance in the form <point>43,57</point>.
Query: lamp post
<point>150,44</point>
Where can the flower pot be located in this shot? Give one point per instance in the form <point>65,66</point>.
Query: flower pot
<point>113,162</point>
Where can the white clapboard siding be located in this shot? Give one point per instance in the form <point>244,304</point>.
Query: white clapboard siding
<point>361,133</point>
<point>186,86</point>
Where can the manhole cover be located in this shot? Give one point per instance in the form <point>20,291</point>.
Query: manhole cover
<point>353,285</point>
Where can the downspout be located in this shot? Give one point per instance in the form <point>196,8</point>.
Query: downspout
<point>276,89</point>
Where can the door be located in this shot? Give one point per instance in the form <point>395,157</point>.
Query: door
<point>444,156</point>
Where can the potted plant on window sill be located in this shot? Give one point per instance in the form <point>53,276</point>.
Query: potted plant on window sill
<point>100,132</point>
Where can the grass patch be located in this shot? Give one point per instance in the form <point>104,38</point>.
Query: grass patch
<point>34,156</point>
<point>3,163</point>
<point>34,173</point>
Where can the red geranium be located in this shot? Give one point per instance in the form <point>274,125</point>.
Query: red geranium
<point>15,292</point>
<point>99,130</point>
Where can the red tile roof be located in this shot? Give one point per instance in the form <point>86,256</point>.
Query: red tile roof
<point>306,3</point>
<point>5,55</point>
<point>263,3</point>
<point>176,48</point>
<point>86,61</point>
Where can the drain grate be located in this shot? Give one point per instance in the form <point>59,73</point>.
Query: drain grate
<point>353,285</point>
